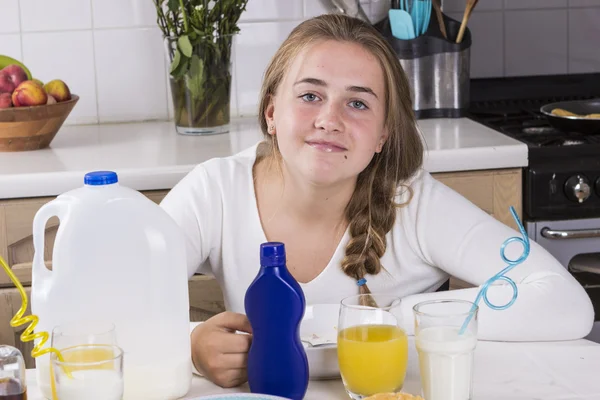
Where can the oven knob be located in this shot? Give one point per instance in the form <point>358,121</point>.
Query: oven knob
<point>578,188</point>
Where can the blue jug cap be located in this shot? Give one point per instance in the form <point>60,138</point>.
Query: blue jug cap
<point>98,178</point>
<point>272,254</point>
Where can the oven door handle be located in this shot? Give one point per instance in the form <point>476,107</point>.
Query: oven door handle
<point>570,234</point>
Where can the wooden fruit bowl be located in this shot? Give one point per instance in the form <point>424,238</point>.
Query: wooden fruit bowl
<point>32,128</point>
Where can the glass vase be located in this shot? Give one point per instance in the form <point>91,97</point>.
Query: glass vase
<point>202,94</point>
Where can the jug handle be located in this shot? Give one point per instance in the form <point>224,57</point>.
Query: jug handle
<point>47,211</point>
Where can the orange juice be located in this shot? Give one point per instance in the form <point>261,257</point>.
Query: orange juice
<point>89,355</point>
<point>372,358</point>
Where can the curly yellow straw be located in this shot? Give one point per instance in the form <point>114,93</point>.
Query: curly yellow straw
<point>19,320</point>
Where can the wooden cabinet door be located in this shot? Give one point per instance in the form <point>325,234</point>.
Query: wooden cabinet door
<point>16,239</point>
<point>493,191</point>
<point>10,302</point>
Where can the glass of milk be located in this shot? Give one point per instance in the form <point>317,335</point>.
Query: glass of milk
<point>70,334</point>
<point>91,372</point>
<point>445,356</point>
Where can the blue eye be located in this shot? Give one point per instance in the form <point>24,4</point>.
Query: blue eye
<point>309,97</point>
<point>359,105</point>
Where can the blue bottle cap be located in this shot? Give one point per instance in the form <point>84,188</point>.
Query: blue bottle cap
<point>272,254</point>
<point>98,178</point>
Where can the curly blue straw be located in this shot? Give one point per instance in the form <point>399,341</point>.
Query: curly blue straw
<point>501,276</point>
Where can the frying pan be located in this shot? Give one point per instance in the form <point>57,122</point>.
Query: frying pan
<point>582,125</point>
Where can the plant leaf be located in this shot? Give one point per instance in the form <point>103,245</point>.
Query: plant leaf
<point>181,70</point>
<point>176,60</point>
<point>173,5</point>
<point>185,45</point>
<point>195,78</point>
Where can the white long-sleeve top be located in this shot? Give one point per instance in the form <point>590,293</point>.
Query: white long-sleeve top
<point>437,235</point>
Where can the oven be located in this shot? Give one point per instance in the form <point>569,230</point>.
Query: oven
<point>561,184</point>
<point>576,244</point>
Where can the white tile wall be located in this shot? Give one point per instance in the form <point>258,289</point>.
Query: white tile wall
<point>11,45</point>
<point>55,15</point>
<point>536,42</point>
<point>255,46</point>
<point>584,3</point>
<point>269,10</point>
<point>131,75</point>
<point>130,13</point>
<point>111,54</point>
<point>531,37</point>
<point>10,16</point>
<point>69,56</point>
<point>487,56</point>
<point>459,5</point>
<point>584,54</point>
<point>534,4</point>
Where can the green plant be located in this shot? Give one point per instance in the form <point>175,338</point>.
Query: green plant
<point>199,37</point>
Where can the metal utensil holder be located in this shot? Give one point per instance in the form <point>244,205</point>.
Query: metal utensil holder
<point>438,69</point>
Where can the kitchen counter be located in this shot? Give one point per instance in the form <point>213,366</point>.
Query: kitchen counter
<point>503,371</point>
<point>151,155</point>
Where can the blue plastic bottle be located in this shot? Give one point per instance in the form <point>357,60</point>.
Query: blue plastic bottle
<point>274,302</point>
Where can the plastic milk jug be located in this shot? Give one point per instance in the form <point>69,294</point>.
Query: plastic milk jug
<point>118,258</point>
<point>275,303</point>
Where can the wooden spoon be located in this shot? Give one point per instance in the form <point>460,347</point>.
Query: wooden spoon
<point>437,5</point>
<point>468,10</point>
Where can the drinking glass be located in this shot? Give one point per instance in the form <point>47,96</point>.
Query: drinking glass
<point>83,332</point>
<point>89,371</point>
<point>372,346</point>
<point>445,353</point>
<point>73,334</point>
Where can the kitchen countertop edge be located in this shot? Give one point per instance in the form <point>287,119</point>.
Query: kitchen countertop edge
<point>139,150</point>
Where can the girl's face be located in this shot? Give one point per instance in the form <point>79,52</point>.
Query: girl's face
<point>329,113</point>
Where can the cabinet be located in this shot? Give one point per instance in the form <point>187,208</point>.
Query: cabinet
<point>492,190</point>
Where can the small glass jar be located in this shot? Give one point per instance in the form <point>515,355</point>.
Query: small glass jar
<point>13,382</point>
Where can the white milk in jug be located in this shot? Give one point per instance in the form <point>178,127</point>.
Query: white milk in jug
<point>117,257</point>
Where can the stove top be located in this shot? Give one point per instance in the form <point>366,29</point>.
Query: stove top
<point>562,179</point>
<point>524,122</point>
<point>512,106</point>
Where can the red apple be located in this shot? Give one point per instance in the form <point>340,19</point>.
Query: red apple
<point>5,101</point>
<point>17,74</point>
<point>29,93</point>
<point>6,83</point>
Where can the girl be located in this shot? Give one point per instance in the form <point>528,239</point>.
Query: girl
<point>339,180</point>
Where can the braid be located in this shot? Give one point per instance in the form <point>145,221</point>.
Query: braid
<point>372,213</point>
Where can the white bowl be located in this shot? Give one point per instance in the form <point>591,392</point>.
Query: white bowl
<point>320,321</point>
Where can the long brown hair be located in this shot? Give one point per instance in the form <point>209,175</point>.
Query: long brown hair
<point>371,211</point>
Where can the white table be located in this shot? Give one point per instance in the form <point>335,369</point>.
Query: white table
<point>503,371</point>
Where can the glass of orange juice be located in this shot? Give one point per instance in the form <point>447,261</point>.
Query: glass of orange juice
<point>372,347</point>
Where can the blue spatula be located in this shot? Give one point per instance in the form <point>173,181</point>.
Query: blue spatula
<point>401,24</point>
